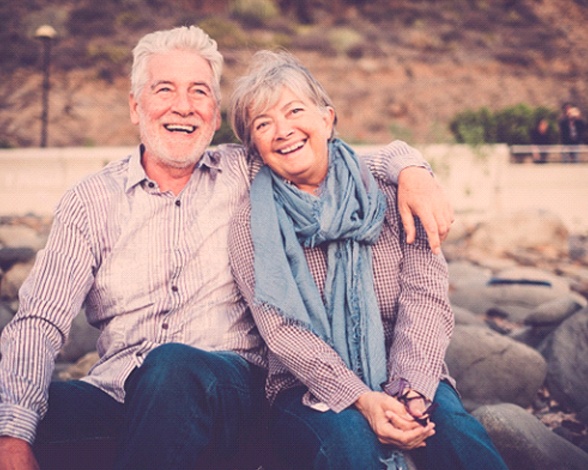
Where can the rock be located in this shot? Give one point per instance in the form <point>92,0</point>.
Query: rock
<point>464,272</point>
<point>81,340</point>
<point>13,279</point>
<point>465,317</point>
<point>583,415</point>
<point>10,256</point>
<point>538,230</point>
<point>532,336</point>
<point>460,231</point>
<point>525,443</point>
<point>21,236</point>
<point>516,291</point>
<point>80,368</point>
<point>553,312</point>
<point>490,368</point>
<point>6,314</point>
<point>566,353</point>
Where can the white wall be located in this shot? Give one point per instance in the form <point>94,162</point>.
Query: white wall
<point>479,182</point>
<point>32,180</point>
<point>484,182</point>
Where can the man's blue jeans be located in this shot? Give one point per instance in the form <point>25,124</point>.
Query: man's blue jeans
<point>180,403</point>
<point>311,439</point>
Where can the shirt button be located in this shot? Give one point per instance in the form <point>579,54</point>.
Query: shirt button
<point>165,326</point>
<point>151,184</point>
<point>178,203</point>
<point>174,288</point>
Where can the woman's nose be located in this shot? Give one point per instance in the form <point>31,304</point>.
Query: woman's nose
<point>283,128</point>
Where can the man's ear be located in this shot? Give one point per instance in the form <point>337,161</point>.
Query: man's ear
<point>133,104</point>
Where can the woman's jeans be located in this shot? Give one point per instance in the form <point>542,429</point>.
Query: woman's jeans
<point>309,439</point>
<point>180,403</point>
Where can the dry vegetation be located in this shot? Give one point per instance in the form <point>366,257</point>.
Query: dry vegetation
<point>395,69</point>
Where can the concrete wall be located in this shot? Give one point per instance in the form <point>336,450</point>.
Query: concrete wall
<point>32,180</point>
<point>480,182</point>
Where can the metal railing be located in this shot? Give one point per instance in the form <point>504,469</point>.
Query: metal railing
<point>549,153</point>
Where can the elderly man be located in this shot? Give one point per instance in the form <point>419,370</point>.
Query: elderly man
<point>143,245</point>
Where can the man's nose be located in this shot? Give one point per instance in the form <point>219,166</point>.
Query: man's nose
<point>182,104</point>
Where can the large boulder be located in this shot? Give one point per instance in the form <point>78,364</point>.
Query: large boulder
<point>566,353</point>
<point>81,340</point>
<point>466,273</point>
<point>515,292</point>
<point>555,311</point>
<point>490,368</point>
<point>12,280</point>
<point>527,444</point>
<point>21,236</point>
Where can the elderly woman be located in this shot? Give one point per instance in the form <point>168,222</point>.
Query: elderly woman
<point>356,320</point>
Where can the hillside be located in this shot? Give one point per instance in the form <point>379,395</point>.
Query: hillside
<point>395,69</point>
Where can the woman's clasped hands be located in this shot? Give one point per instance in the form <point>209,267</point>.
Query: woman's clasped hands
<point>391,421</point>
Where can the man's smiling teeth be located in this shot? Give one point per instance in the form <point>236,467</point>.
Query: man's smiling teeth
<point>292,148</point>
<point>180,128</point>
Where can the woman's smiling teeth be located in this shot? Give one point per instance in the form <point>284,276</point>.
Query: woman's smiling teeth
<point>291,148</point>
<point>180,128</point>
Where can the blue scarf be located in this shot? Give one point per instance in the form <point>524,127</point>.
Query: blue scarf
<point>348,215</point>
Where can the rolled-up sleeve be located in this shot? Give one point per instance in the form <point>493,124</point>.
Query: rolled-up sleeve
<point>50,298</point>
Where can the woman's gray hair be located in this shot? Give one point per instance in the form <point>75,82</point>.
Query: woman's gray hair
<point>260,88</point>
<point>184,38</point>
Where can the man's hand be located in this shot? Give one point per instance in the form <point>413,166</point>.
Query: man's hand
<point>391,423</point>
<point>16,454</point>
<point>419,194</point>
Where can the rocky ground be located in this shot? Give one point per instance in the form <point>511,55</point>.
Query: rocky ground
<point>498,297</point>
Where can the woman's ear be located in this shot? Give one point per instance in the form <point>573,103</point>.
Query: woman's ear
<point>330,118</point>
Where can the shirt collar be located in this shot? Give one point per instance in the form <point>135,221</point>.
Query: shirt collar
<point>211,160</point>
<point>136,171</point>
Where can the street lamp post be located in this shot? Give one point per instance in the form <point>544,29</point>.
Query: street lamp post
<point>45,33</point>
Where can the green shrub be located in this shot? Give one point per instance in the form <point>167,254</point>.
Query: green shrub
<point>254,12</point>
<point>474,127</point>
<point>512,125</point>
<point>344,39</point>
<point>226,33</point>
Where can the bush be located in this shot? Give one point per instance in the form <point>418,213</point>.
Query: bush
<point>474,127</point>
<point>254,12</point>
<point>344,39</point>
<point>511,126</point>
<point>226,33</point>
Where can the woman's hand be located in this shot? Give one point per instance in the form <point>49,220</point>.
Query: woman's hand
<point>419,194</point>
<point>391,422</point>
